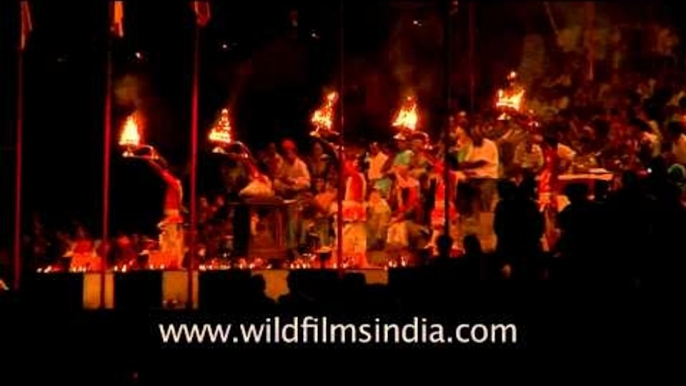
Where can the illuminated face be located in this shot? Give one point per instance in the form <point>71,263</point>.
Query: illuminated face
<point>290,155</point>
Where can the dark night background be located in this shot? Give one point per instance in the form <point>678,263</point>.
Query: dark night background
<point>254,60</point>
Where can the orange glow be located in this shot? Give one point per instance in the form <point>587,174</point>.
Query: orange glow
<point>322,118</point>
<point>408,117</point>
<point>221,133</point>
<point>130,136</point>
<point>511,99</point>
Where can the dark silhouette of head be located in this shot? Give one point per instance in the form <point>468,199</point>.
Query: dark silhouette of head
<point>444,244</point>
<point>507,190</point>
<point>527,188</point>
<point>258,284</point>
<point>601,189</point>
<point>472,245</point>
<point>630,180</point>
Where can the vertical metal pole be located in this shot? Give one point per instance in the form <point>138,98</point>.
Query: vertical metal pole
<point>447,41</point>
<point>107,148</point>
<point>472,80</point>
<point>590,31</point>
<point>194,163</point>
<point>341,123</point>
<point>18,170</point>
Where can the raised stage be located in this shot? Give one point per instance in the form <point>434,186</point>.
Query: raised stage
<point>168,289</point>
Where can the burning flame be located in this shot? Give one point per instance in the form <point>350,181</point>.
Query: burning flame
<point>221,132</point>
<point>510,99</point>
<point>322,118</point>
<point>130,136</point>
<point>407,118</point>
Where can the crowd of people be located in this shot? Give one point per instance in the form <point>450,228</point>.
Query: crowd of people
<point>514,180</point>
<point>505,186</point>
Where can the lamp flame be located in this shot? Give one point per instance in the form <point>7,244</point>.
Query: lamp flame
<point>322,118</point>
<point>221,133</point>
<point>130,136</point>
<point>510,99</point>
<point>408,117</point>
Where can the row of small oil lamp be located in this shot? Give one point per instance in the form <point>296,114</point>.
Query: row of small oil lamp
<point>308,262</point>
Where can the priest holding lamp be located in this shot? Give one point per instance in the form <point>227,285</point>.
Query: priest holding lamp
<point>171,239</point>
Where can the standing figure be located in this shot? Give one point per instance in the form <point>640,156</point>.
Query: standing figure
<point>548,187</point>
<point>480,166</point>
<point>171,226</point>
<point>354,217</point>
<point>377,160</point>
<point>438,211</point>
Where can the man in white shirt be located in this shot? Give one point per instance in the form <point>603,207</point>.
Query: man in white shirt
<point>292,177</point>
<point>481,168</point>
<point>377,160</point>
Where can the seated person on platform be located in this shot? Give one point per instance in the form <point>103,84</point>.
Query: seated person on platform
<point>319,162</point>
<point>293,177</point>
<point>272,160</point>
